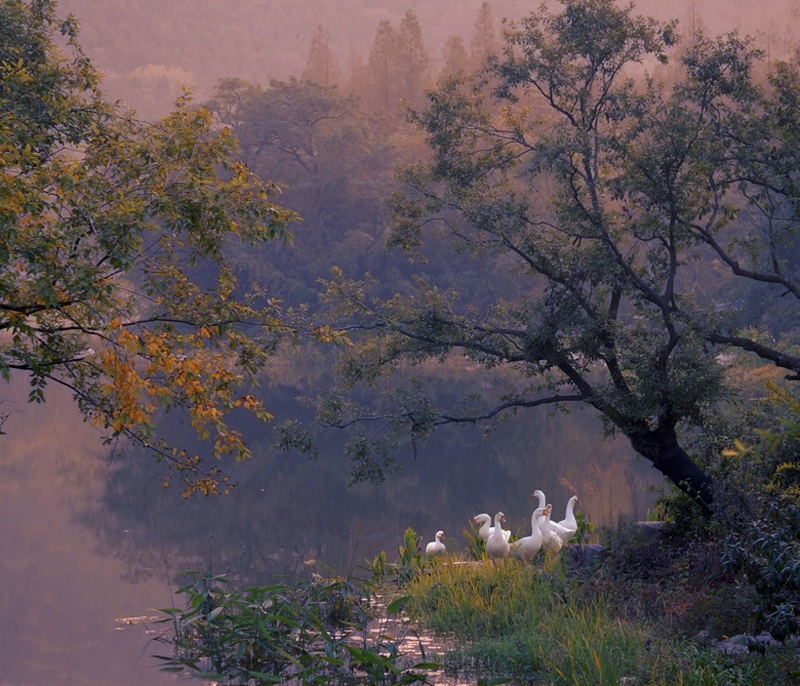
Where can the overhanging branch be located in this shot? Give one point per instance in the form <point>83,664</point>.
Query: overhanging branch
<point>780,359</point>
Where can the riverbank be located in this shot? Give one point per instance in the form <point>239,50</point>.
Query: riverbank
<point>651,610</point>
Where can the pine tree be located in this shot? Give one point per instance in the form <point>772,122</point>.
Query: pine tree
<point>322,67</point>
<point>454,57</point>
<point>413,60</point>
<point>358,80</point>
<point>381,67</point>
<point>484,37</point>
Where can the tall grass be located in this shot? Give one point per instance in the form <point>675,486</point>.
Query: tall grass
<point>475,600</point>
<point>592,648</point>
<point>512,616</point>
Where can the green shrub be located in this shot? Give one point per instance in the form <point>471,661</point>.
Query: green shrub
<point>763,519</point>
<point>313,632</point>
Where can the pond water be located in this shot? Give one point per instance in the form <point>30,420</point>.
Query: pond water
<point>90,545</point>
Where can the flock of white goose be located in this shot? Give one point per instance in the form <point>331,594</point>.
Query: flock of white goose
<point>545,533</point>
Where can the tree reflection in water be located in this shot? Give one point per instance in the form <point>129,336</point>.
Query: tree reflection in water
<point>287,509</point>
<point>88,540</point>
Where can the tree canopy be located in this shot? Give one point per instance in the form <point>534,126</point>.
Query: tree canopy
<point>114,275</point>
<point>603,191</point>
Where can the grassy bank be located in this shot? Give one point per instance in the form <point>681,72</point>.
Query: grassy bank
<point>652,614</point>
<point>657,610</point>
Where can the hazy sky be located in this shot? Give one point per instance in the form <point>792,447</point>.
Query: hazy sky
<point>149,48</point>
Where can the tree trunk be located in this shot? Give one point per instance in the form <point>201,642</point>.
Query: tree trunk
<point>662,449</point>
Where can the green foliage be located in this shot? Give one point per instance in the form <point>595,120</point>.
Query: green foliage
<point>410,562</point>
<point>480,599</point>
<point>764,530</point>
<point>476,546</point>
<point>585,527</point>
<point>702,667</point>
<point>314,632</point>
<point>591,650</point>
<point>115,274</point>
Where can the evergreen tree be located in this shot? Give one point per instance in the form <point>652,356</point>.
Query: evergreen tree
<point>484,36</point>
<point>412,58</point>
<point>358,79</point>
<point>454,57</point>
<point>381,67</point>
<point>322,66</point>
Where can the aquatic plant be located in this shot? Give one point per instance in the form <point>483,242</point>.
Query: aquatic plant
<point>313,632</point>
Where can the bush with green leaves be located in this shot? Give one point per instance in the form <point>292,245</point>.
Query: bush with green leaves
<point>313,632</point>
<point>762,516</point>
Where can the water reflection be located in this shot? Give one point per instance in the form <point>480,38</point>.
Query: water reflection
<point>87,541</point>
<point>286,509</point>
<point>61,600</point>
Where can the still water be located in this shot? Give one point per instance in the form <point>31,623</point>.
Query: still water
<point>89,546</point>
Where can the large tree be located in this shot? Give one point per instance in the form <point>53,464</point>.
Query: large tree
<point>626,210</point>
<point>114,279</point>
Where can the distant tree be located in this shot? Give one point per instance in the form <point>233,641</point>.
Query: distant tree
<point>288,129</point>
<point>114,275</point>
<point>484,35</point>
<point>232,97</point>
<point>382,68</point>
<point>399,66</point>
<point>603,207</point>
<point>358,78</point>
<point>322,65</point>
<point>413,63</point>
<point>454,57</point>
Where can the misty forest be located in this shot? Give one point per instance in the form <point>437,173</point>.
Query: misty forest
<point>389,267</point>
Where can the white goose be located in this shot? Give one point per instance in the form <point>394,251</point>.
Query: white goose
<point>485,531</point>
<point>550,539</point>
<point>568,526</point>
<point>497,544</point>
<point>542,504</point>
<point>526,547</point>
<point>436,547</point>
